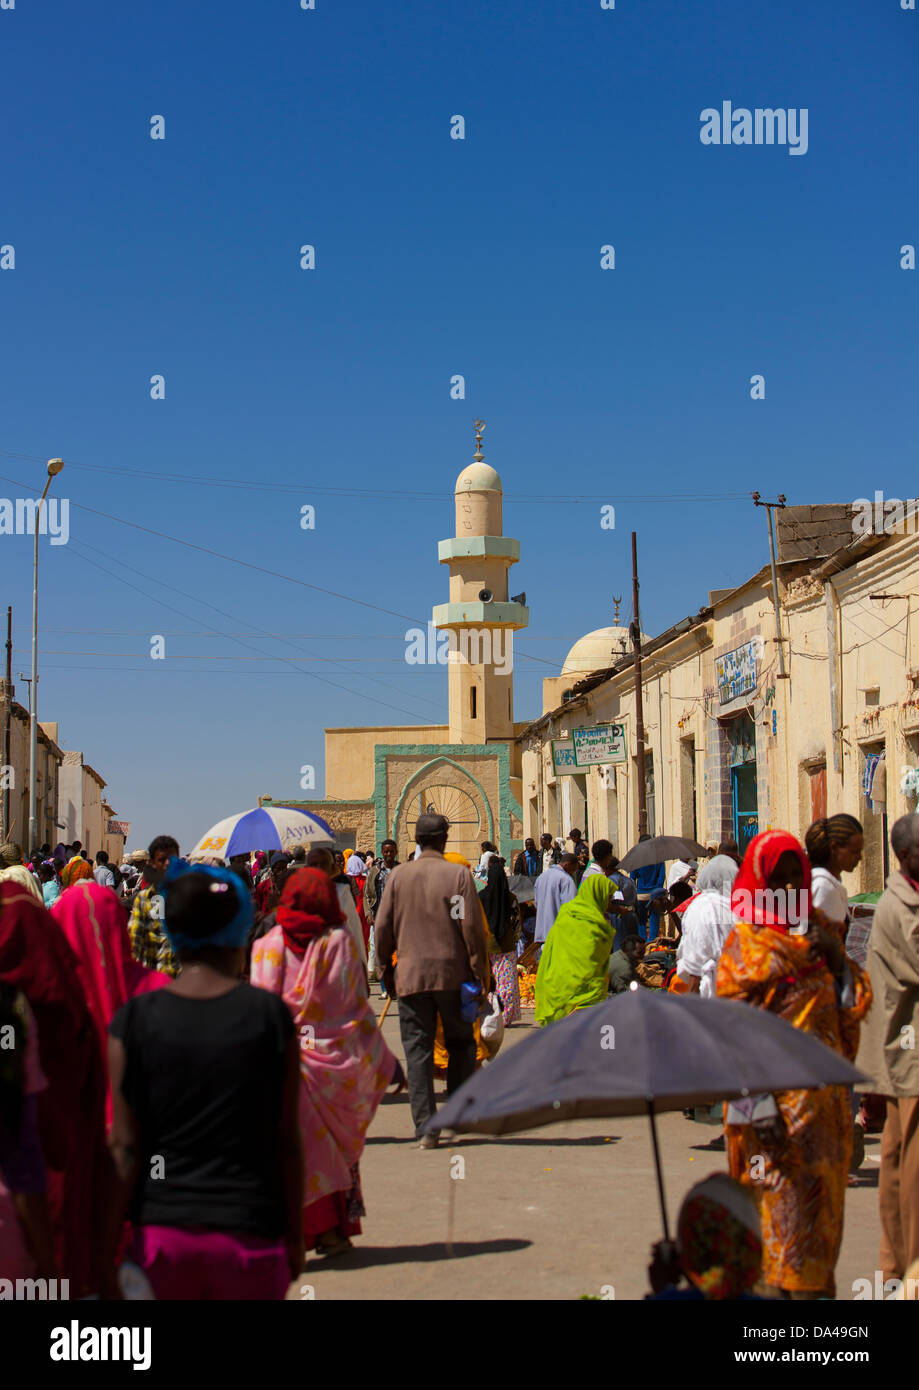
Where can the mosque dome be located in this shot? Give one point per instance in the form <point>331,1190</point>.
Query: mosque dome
<point>478,477</point>
<point>597,650</point>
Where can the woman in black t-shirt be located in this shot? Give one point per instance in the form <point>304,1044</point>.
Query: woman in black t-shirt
<point>205,1077</point>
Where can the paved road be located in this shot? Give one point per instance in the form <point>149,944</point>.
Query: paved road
<point>559,1212</point>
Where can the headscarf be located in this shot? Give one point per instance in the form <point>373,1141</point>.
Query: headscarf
<point>355,866</point>
<point>235,933</point>
<point>498,906</point>
<point>76,869</point>
<point>10,854</point>
<point>308,907</point>
<point>94,922</point>
<point>717,876</point>
<point>590,902</point>
<point>453,856</point>
<point>747,897</point>
<point>18,873</point>
<point>719,1237</point>
<point>60,855</point>
<point>574,965</point>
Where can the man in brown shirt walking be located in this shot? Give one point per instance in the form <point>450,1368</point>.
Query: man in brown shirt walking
<point>430,918</point>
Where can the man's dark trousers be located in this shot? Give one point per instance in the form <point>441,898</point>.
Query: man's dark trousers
<point>418,1024</point>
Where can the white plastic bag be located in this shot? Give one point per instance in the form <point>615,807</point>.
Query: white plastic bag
<point>492,1023</point>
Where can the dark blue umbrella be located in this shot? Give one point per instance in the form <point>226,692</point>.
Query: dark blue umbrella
<point>642,1052</point>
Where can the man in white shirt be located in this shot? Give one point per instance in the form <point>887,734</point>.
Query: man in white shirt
<point>679,870</point>
<point>102,873</point>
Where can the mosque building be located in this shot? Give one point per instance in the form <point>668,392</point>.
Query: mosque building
<point>380,779</point>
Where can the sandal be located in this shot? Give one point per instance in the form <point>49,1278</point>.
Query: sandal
<point>334,1247</point>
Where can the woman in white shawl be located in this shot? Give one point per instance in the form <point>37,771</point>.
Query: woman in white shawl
<point>707,922</point>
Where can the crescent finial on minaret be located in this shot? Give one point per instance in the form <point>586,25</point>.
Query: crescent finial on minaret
<point>479,426</point>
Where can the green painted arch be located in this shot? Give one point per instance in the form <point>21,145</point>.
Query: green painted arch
<point>422,771</point>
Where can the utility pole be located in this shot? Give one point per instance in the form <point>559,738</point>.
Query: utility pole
<point>782,674</point>
<point>7,721</point>
<point>54,467</point>
<point>639,709</point>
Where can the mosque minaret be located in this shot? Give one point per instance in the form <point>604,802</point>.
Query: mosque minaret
<point>480,612</point>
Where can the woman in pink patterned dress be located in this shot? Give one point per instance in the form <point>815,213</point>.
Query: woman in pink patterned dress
<point>345,1066</point>
<point>502,917</point>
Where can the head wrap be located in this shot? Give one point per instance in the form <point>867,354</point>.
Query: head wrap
<point>309,906</point>
<point>94,922</point>
<point>18,873</point>
<point>498,905</point>
<point>750,900</point>
<point>355,865</point>
<point>719,1238</point>
<point>10,854</point>
<point>235,933</point>
<point>717,875</point>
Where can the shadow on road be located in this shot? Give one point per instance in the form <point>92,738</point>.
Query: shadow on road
<point>551,1141</point>
<point>365,1256</point>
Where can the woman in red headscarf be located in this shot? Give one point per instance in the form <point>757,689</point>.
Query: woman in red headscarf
<point>793,1149</point>
<point>36,959</point>
<point>95,923</point>
<point>311,961</point>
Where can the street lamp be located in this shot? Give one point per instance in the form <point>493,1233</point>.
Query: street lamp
<point>54,467</point>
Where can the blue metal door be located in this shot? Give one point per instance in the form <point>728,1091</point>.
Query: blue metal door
<point>744,804</point>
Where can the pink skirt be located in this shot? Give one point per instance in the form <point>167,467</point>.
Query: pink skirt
<point>192,1263</point>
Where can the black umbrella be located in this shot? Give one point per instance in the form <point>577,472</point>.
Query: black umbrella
<point>659,848</point>
<point>523,887</point>
<point>642,1052</point>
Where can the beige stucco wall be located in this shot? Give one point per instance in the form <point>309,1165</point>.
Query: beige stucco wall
<point>878,651</point>
<point>94,818</point>
<point>672,685</point>
<point>47,770</point>
<point>349,755</point>
<point>351,824</point>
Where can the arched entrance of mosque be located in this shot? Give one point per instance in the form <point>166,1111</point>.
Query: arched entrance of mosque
<point>446,789</point>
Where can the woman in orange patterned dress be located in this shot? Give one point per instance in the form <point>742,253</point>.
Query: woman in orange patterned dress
<point>796,1161</point>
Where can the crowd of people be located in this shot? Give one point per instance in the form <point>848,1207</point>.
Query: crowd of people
<point>776,930</point>
<point>196,1061</point>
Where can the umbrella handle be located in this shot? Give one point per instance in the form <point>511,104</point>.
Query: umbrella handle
<point>657,1166</point>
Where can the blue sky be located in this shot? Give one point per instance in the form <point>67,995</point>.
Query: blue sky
<point>434,257</point>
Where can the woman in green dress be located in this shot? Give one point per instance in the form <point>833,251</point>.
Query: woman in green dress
<point>574,965</point>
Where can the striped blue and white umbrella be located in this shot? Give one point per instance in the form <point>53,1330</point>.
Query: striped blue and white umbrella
<point>265,827</point>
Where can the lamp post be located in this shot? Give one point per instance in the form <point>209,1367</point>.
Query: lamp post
<point>54,467</point>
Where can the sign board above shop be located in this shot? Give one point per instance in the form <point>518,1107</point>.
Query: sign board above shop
<point>735,672</point>
<point>563,764</point>
<point>605,743</point>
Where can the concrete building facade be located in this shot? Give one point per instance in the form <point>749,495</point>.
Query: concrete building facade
<point>733,746</point>
<point>14,783</point>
